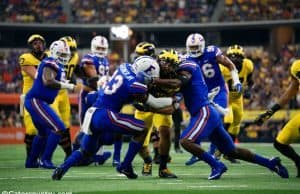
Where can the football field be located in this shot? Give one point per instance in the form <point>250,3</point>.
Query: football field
<point>240,178</point>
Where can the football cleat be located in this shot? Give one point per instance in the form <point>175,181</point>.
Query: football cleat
<point>58,173</point>
<point>192,161</point>
<point>128,172</point>
<point>279,168</point>
<point>101,159</point>
<point>47,164</point>
<point>147,169</point>
<point>217,172</point>
<point>166,173</point>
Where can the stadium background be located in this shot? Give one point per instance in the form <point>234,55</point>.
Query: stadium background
<point>269,30</point>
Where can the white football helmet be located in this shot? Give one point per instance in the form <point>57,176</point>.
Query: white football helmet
<point>99,46</point>
<point>60,51</point>
<point>195,45</point>
<point>146,64</point>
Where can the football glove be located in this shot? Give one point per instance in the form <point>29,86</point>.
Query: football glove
<point>238,87</point>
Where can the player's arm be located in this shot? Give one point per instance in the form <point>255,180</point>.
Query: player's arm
<point>233,71</point>
<point>250,83</point>
<point>91,74</point>
<point>49,80</point>
<point>284,99</point>
<point>149,103</point>
<point>30,70</point>
<point>182,79</point>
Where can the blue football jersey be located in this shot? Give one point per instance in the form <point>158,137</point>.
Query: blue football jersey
<point>195,92</point>
<point>39,90</point>
<point>210,67</point>
<point>120,90</point>
<point>101,64</point>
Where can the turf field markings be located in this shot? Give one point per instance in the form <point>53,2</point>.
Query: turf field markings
<point>217,186</point>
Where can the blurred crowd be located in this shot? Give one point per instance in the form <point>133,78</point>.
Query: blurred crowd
<point>252,10</point>
<point>144,11</point>
<point>270,76</point>
<point>29,11</point>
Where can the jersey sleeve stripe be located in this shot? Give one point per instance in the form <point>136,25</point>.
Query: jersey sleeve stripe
<point>139,85</point>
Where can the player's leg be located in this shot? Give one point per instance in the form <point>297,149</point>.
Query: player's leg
<point>86,151</point>
<point>65,112</point>
<point>289,134</point>
<point>200,127</point>
<point>225,144</point>
<point>127,125</point>
<point>117,149</point>
<point>234,128</point>
<point>144,152</point>
<point>163,123</point>
<point>30,133</point>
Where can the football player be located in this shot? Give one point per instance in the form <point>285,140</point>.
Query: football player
<point>162,122</point>
<point>209,58</point>
<point>95,67</point>
<point>206,122</point>
<point>61,104</point>
<point>29,62</point>
<point>104,117</point>
<point>291,131</point>
<point>50,78</point>
<point>244,67</point>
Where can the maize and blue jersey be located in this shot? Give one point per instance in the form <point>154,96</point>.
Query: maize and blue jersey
<point>205,121</point>
<point>212,73</point>
<point>101,65</point>
<point>39,98</point>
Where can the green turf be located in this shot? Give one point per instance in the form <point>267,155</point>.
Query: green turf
<point>240,178</point>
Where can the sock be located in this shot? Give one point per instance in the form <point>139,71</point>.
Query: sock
<point>288,151</point>
<point>28,142</point>
<point>117,150</point>
<point>148,160</point>
<point>75,158</point>
<point>206,157</point>
<point>76,144</point>
<point>37,147</point>
<point>212,149</point>
<point>133,149</point>
<point>163,161</point>
<point>262,161</point>
<point>65,142</point>
<point>51,145</point>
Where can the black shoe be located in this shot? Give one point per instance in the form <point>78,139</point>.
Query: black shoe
<point>178,150</point>
<point>298,170</point>
<point>58,173</point>
<point>166,173</point>
<point>128,172</point>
